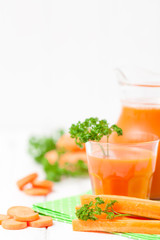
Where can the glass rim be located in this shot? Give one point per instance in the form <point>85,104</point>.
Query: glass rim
<point>142,84</point>
<point>155,140</point>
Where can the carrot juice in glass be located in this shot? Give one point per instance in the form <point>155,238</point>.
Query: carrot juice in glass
<point>141,109</point>
<point>125,169</point>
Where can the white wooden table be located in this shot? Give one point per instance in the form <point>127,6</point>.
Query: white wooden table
<point>14,164</point>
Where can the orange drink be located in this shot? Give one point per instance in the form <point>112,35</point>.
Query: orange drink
<point>144,119</point>
<point>127,170</point>
<point>140,96</point>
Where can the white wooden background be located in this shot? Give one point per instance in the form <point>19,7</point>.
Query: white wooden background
<point>14,164</point>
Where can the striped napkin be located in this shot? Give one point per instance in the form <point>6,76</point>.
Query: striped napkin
<point>63,210</point>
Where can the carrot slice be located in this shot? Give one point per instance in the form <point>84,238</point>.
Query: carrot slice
<point>122,225</point>
<point>12,224</point>
<point>3,217</point>
<point>135,206</point>
<point>19,209</point>
<point>37,191</point>
<point>43,221</point>
<point>43,184</point>
<point>26,217</point>
<point>28,179</point>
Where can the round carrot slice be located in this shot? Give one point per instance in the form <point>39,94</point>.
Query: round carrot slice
<point>28,179</point>
<point>26,217</point>
<point>43,221</point>
<point>13,211</point>
<point>37,191</point>
<point>43,184</point>
<point>12,224</point>
<point>3,217</point>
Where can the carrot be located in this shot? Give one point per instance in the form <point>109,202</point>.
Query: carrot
<point>43,221</point>
<point>43,184</point>
<point>3,217</point>
<point>72,158</point>
<point>28,179</point>
<point>26,217</point>
<point>22,214</point>
<point>12,211</point>
<point>52,156</point>
<point>134,206</point>
<point>68,143</point>
<point>122,225</point>
<point>12,224</point>
<point>37,191</point>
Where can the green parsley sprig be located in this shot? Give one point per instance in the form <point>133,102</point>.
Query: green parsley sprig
<point>39,146</point>
<point>92,210</point>
<point>93,129</point>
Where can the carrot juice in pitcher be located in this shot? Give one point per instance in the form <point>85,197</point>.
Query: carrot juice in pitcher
<point>141,110</point>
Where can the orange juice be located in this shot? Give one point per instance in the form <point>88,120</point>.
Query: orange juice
<point>146,118</point>
<point>127,171</point>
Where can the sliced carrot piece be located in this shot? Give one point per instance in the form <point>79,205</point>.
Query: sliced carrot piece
<point>43,184</point>
<point>43,221</point>
<point>12,224</point>
<point>22,214</point>
<point>26,217</point>
<point>19,209</point>
<point>122,225</point>
<point>3,217</point>
<point>28,179</point>
<point>37,191</point>
<point>52,156</point>
<point>135,206</point>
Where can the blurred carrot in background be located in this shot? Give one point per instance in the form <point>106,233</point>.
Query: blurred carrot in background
<point>59,156</point>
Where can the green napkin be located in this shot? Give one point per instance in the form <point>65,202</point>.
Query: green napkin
<point>63,210</point>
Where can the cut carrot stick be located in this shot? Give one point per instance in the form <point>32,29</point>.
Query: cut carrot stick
<point>43,184</point>
<point>28,179</point>
<point>37,191</point>
<point>52,156</point>
<point>3,217</point>
<point>18,209</point>
<point>122,225</point>
<point>43,221</point>
<point>12,224</point>
<point>134,206</point>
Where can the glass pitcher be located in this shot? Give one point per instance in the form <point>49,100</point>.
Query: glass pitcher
<point>140,97</point>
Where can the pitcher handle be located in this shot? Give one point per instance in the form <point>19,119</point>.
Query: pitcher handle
<point>121,77</point>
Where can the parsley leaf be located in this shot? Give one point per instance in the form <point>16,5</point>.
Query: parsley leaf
<point>93,129</point>
<point>39,146</point>
<point>92,210</point>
